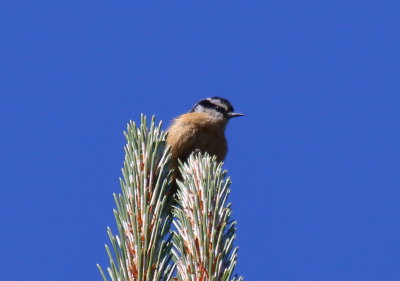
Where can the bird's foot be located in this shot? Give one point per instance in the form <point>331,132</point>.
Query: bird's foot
<point>196,152</point>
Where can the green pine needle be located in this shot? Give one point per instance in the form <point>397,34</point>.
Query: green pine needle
<point>204,235</point>
<point>142,249</point>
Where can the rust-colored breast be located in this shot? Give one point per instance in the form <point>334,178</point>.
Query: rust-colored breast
<point>197,130</point>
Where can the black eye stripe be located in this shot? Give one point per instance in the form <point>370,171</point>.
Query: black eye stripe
<point>225,102</point>
<point>219,108</point>
<point>209,104</point>
<point>213,103</point>
<point>206,103</point>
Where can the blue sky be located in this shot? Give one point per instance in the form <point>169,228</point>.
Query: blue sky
<point>315,162</point>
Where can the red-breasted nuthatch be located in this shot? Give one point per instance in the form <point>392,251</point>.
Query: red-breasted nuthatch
<point>201,129</point>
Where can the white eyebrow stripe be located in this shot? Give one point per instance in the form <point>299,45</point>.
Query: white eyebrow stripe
<point>219,103</point>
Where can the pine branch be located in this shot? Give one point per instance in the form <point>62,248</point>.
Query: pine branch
<point>203,242</point>
<point>142,249</point>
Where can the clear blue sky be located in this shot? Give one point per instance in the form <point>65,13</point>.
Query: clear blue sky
<point>315,163</point>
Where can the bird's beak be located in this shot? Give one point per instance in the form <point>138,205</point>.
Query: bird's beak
<point>234,114</point>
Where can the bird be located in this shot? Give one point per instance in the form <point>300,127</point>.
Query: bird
<point>202,130</point>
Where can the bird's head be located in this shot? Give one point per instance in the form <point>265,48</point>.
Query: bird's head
<point>216,107</point>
